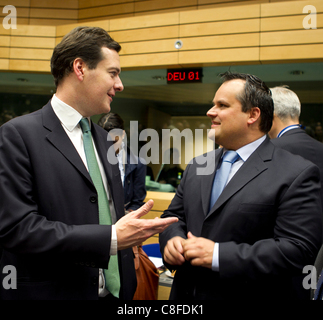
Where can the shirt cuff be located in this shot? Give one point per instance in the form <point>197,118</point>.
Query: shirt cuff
<point>215,259</point>
<point>114,242</point>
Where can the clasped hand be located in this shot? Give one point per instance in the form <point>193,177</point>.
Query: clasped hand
<point>197,250</point>
<point>132,231</point>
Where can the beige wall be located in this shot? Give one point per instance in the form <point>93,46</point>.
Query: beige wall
<point>44,12</point>
<point>58,12</point>
<point>90,10</point>
<point>255,33</point>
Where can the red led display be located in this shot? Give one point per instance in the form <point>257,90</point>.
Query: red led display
<point>184,75</point>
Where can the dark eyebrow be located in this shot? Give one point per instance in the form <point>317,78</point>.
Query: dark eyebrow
<point>221,101</point>
<point>115,69</point>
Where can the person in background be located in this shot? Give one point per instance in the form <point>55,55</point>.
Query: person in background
<point>132,168</point>
<point>133,176</point>
<point>252,219</point>
<point>171,173</point>
<point>287,133</point>
<point>319,132</point>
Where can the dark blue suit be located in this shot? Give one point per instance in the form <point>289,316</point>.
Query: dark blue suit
<point>267,221</point>
<point>49,223</point>
<point>134,182</point>
<point>297,141</point>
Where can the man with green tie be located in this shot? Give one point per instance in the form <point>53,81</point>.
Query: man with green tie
<point>62,223</point>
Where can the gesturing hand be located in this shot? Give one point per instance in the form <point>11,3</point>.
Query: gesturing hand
<point>132,231</point>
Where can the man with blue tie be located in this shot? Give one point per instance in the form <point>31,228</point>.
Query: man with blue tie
<point>62,222</point>
<point>246,229</point>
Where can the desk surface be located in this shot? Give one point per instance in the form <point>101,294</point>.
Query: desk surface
<point>161,199</point>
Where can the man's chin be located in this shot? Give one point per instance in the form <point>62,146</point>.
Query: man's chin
<point>211,134</point>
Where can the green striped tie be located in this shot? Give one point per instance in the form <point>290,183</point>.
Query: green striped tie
<point>112,278</point>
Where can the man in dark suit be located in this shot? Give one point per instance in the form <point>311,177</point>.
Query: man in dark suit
<point>49,206</point>
<point>132,168</point>
<point>264,227</point>
<point>287,133</point>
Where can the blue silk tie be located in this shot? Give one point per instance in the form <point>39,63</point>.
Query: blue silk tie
<point>112,277</point>
<point>221,176</point>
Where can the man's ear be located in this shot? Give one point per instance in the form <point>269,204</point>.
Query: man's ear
<point>254,115</point>
<point>78,67</point>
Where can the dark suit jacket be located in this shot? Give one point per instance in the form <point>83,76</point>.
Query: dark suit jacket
<point>49,224</point>
<point>297,141</point>
<point>134,182</point>
<point>267,222</point>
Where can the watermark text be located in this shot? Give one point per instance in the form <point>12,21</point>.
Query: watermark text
<point>310,21</point>
<point>10,21</point>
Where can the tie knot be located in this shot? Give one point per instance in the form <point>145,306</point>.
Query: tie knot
<point>230,156</point>
<point>85,126</point>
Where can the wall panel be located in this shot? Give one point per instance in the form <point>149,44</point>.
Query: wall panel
<point>110,9</point>
<point>220,27</point>
<point>249,33</point>
<point>4,64</point>
<point>283,37</point>
<point>43,12</point>
<point>220,56</point>
<point>27,48</point>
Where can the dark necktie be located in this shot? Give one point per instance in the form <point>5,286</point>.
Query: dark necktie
<point>221,176</point>
<point>112,277</point>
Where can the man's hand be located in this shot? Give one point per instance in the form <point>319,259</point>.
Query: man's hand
<point>198,251</point>
<point>132,231</point>
<point>173,251</point>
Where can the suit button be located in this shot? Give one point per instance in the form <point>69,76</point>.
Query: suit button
<point>93,199</point>
<point>95,281</point>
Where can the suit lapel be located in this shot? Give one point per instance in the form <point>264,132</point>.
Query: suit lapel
<point>254,166</point>
<point>59,139</point>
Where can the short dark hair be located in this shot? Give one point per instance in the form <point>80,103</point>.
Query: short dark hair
<point>82,42</point>
<point>255,94</point>
<point>111,121</point>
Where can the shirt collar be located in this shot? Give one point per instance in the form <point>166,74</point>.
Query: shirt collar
<point>246,151</point>
<point>293,126</point>
<point>67,115</point>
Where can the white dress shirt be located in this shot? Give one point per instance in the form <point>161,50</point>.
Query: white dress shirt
<point>244,153</point>
<point>122,161</point>
<point>70,119</point>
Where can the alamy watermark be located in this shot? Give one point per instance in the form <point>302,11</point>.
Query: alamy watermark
<point>10,21</point>
<point>310,281</point>
<point>310,21</point>
<point>156,150</point>
<point>10,280</point>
